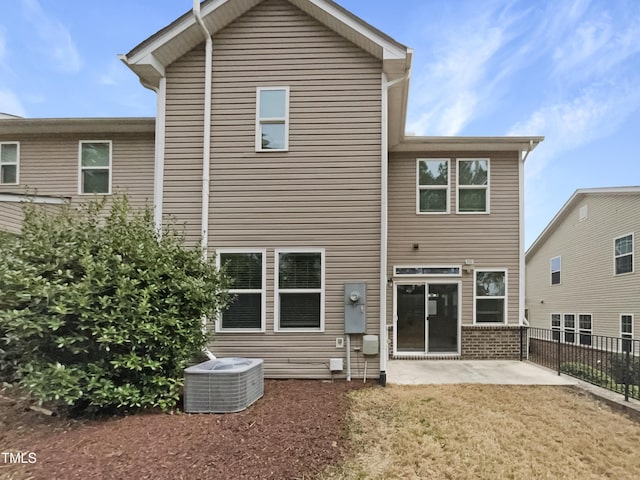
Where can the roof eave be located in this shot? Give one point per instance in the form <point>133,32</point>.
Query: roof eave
<point>464,144</point>
<point>31,126</point>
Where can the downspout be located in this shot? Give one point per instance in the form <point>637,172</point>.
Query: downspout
<point>384,221</point>
<point>521,266</point>
<point>206,141</point>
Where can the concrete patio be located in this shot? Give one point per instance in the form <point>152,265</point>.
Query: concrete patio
<point>497,372</point>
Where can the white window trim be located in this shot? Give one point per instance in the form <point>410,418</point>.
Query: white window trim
<point>505,297</point>
<point>260,121</point>
<point>81,168</point>
<point>620,325</point>
<point>633,260</point>
<point>551,270</point>
<point>487,187</point>
<point>276,281</point>
<point>580,332</point>
<point>420,275</point>
<point>574,331</point>
<point>262,291</point>
<point>433,187</point>
<point>17,162</point>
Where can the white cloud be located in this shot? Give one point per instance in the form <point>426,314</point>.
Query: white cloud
<point>9,103</point>
<point>114,74</point>
<point>56,41</point>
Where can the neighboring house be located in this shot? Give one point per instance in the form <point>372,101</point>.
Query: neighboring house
<point>280,145</point>
<point>582,271</point>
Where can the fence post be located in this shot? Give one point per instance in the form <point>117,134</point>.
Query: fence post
<point>558,352</point>
<point>625,375</point>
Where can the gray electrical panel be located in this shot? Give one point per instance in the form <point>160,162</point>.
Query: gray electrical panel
<point>355,301</point>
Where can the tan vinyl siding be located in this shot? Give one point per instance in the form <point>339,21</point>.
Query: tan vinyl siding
<point>491,240</point>
<point>49,165</point>
<point>588,284</point>
<point>182,190</point>
<point>323,193</point>
<point>12,215</point>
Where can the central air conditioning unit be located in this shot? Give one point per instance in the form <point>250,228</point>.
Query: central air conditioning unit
<point>224,385</point>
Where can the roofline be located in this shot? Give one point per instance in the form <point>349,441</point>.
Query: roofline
<point>14,126</point>
<point>26,198</point>
<point>569,204</point>
<point>437,144</point>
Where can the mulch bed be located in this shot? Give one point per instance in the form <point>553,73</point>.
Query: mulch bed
<point>294,431</point>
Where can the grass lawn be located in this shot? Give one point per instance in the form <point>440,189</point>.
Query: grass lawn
<point>487,432</point>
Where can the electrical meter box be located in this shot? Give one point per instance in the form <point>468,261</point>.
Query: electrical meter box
<point>355,302</point>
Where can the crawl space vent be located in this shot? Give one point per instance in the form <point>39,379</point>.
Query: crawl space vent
<point>223,385</point>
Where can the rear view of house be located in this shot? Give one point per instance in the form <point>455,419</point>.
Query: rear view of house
<point>279,145</point>
<point>582,271</point>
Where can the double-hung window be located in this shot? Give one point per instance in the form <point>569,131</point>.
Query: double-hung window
<point>556,326</point>
<point>272,119</point>
<point>585,328</point>
<point>490,296</point>
<point>556,266</point>
<point>626,331</point>
<point>95,167</point>
<point>299,290</point>
<point>569,328</point>
<point>433,185</point>
<point>9,162</point>
<point>247,270</point>
<point>623,254</point>
<point>473,185</point>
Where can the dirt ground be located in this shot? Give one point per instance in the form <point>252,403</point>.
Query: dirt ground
<point>295,431</point>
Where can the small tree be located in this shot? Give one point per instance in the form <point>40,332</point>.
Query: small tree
<point>99,311</point>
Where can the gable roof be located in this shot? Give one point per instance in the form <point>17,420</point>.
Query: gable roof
<point>150,58</point>
<point>577,197</point>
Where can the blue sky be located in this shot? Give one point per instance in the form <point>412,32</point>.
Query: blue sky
<point>568,70</point>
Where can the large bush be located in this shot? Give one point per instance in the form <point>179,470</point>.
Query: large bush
<point>99,312</point>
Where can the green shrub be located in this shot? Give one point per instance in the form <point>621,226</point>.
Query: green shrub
<point>588,374</point>
<point>101,313</point>
<point>622,361</point>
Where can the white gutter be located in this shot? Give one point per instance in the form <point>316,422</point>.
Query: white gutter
<point>522,265</point>
<point>384,200</point>
<point>206,154</point>
<point>158,173</point>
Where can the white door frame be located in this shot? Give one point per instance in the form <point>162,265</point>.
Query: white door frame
<point>426,282</point>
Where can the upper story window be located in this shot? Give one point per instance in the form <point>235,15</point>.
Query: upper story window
<point>433,185</point>
<point>272,119</point>
<point>623,254</point>
<point>9,162</point>
<point>490,296</point>
<point>95,167</point>
<point>247,308</point>
<point>299,290</point>
<point>556,264</point>
<point>473,185</point>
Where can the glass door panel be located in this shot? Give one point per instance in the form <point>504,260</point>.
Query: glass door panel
<point>443,318</point>
<point>410,326</point>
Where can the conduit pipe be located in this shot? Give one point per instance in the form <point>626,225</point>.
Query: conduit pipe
<point>206,153</point>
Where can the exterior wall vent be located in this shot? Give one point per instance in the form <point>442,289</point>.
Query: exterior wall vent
<point>223,385</point>
<point>584,212</point>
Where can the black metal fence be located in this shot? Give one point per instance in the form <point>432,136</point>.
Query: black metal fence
<point>609,362</point>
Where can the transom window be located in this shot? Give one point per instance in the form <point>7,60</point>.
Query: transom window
<point>490,296</point>
<point>272,119</point>
<point>95,167</point>
<point>433,185</point>
<point>9,161</point>
<point>473,185</point>
<point>426,271</point>
<point>556,265</point>
<point>299,289</point>
<point>247,270</point>
<point>623,254</point>
<point>626,331</point>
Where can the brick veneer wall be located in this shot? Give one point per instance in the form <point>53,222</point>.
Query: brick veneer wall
<point>480,342</point>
